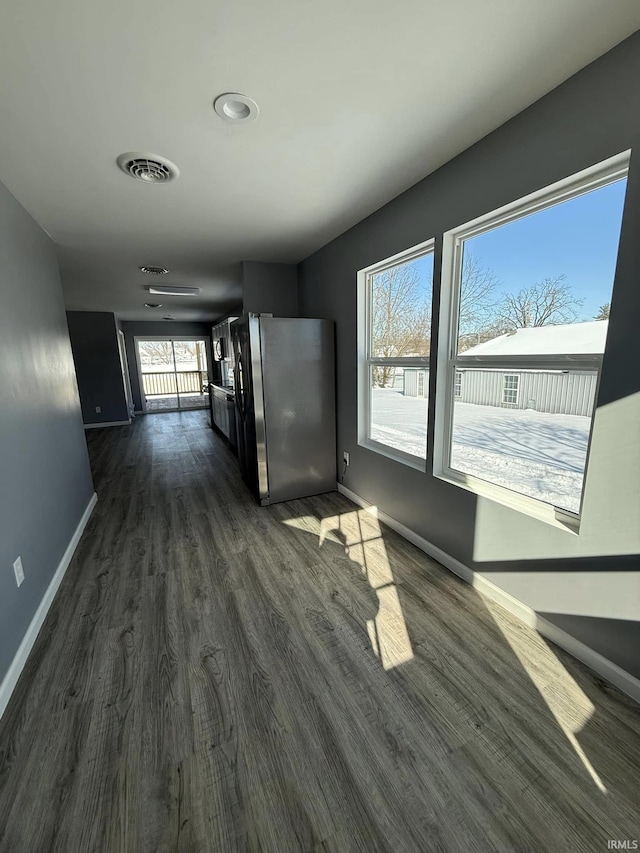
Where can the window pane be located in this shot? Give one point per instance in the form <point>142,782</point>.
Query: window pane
<point>510,390</point>
<point>159,384</point>
<point>401,309</point>
<point>191,367</point>
<point>535,445</point>
<point>543,277</point>
<point>457,388</point>
<point>399,408</point>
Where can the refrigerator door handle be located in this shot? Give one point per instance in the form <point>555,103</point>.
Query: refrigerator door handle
<point>239,385</point>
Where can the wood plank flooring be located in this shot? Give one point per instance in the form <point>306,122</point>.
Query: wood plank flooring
<point>217,676</point>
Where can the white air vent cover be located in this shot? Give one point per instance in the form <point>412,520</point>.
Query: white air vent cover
<point>150,168</point>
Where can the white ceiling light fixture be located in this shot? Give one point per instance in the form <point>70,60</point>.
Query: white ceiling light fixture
<point>154,270</point>
<point>172,290</point>
<point>232,106</point>
<point>149,168</point>
<point>153,304</point>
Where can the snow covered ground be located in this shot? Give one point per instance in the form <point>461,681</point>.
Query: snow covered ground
<point>534,453</point>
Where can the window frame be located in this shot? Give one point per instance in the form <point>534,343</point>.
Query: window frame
<point>366,361</point>
<point>449,361</point>
<point>457,385</point>
<point>168,337</point>
<point>506,389</point>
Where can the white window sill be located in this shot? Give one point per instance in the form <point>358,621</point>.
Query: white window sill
<point>408,459</point>
<point>562,519</point>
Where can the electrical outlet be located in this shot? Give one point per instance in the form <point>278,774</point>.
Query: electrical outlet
<point>18,571</point>
<point>98,409</point>
<point>345,457</point>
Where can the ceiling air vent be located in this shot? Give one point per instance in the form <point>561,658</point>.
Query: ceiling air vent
<point>150,168</point>
<point>154,270</point>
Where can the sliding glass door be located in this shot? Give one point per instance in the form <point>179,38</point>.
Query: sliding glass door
<point>173,373</point>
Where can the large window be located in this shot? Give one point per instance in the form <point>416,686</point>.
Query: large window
<point>394,332</point>
<point>526,293</point>
<point>173,373</point>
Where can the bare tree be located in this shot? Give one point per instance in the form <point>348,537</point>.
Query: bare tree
<point>401,317</point>
<point>157,352</point>
<point>603,312</point>
<point>547,303</point>
<point>478,303</point>
<point>401,312</point>
<point>185,350</point>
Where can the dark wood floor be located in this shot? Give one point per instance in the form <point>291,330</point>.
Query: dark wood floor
<point>216,676</point>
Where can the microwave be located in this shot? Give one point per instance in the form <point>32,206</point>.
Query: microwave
<point>219,349</point>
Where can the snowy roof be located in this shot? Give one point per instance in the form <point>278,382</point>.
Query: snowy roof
<point>573,338</point>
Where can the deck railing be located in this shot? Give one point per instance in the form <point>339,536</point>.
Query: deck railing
<point>163,384</point>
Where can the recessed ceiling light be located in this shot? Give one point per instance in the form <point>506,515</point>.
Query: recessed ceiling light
<point>154,270</point>
<point>150,168</point>
<point>171,290</point>
<point>233,106</point>
<point>153,304</point>
<point>168,317</point>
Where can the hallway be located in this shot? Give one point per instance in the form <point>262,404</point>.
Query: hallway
<point>218,676</point>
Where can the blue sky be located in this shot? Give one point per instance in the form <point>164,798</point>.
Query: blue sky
<point>578,238</point>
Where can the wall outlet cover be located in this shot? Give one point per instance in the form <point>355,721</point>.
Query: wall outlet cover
<point>98,409</point>
<point>345,457</point>
<point>18,571</point>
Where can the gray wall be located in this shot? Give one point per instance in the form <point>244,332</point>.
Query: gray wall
<point>166,328</point>
<point>44,469</point>
<point>94,342</point>
<point>270,288</point>
<point>588,584</point>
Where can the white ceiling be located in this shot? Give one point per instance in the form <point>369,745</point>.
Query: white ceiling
<point>358,101</point>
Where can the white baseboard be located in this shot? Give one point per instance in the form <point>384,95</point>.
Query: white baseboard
<point>107,424</point>
<point>17,665</point>
<point>607,669</point>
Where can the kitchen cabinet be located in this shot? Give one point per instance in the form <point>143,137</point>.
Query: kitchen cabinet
<point>223,411</point>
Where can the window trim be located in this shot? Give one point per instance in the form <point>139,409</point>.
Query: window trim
<point>449,360</point>
<point>366,361</point>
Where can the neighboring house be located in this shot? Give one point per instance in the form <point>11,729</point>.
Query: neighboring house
<point>556,390</point>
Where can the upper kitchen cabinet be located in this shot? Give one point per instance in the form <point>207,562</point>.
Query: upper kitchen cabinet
<point>223,350</point>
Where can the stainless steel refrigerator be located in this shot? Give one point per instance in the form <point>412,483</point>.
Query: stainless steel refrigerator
<point>285,405</point>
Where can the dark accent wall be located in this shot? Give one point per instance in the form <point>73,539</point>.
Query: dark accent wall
<point>45,480</point>
<point>588,585</point>
<point>269,288</point>
<point>138,329</point>
<point>94,342</point>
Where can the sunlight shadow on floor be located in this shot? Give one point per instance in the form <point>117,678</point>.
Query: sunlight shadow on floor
<point>571,708</point>
<point>359,533</point>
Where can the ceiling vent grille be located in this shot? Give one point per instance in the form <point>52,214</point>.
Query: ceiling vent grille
<point>154,270</point>
<point>150,168</point>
